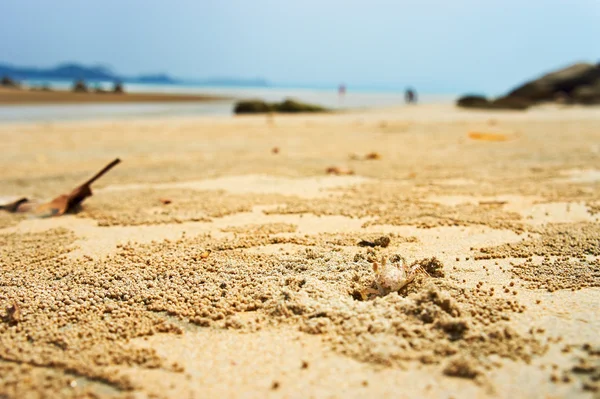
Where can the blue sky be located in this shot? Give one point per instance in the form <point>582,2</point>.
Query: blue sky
<point>435,45</point>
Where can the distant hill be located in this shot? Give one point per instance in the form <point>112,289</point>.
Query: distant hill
<point>73,71</point>
<point>63,71</point>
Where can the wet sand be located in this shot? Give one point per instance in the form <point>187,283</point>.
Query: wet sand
<point>25,96</point>
<point>209,265</point>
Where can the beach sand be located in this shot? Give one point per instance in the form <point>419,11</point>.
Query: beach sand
<point>23,96</point>
<point>208,264</point>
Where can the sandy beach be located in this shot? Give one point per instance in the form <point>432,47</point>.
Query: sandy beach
<point>219,259</point>
<point>11,96</point>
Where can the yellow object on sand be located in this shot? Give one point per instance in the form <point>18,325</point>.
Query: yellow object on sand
<point>490,136</point>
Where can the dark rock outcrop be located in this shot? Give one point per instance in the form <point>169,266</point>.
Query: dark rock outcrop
<point>80,87</point>
<point>564,81</point>
<point>118,88</point>
<point>287,106</point>
<point>252,107</point>
<point>481,102</point>
<point>575,84</point>
<point>473,101</point>
<point>292,106</point>
<point>587,94</point>
<point>515,103</point>
<point>9,82</point>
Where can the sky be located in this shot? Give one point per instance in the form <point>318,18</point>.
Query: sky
<point>438,46</point>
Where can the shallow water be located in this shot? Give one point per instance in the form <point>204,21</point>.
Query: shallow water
<point>66,112</point>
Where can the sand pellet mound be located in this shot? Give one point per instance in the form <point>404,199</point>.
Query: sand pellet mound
<point>72,318</point>
<point>569,257</point>
<point>576,240</point>
<point>18,252</point>
<point>78,315</point>
<point>585,370</point>
<point>328,240</point>
<point>313,289</point>
<point>21,380</point>
<point>396,204</point>
<point>262,229</point>
<point>560,274</point>
<point>150,206</point>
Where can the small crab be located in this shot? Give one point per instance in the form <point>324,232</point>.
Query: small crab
<point>395,275</point>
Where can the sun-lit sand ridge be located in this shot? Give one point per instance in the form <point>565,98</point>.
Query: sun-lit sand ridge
<point>208,265</point>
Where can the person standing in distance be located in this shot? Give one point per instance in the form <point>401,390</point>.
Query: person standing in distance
<point>410,96</point>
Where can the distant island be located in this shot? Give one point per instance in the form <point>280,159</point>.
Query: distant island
<point>74,71</point>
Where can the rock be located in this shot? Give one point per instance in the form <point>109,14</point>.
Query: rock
<point>287,106</point>
<point>564,81</point>
<point>292,106</point>
<point>473,101</point>
<point>587,94</point>
<point>562,98</point>
<point>576,84</point>
<point>511,103</point>
<point>80,87</point>
<point>515,103</point>
<point>252,107</point>
<point>118,88</point>
<point>9,82</point>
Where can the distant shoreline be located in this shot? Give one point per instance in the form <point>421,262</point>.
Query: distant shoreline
<point>14,96</point>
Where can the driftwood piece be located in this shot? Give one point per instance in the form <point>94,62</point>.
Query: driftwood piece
<point>67,202</point>
<point>15,206</point>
